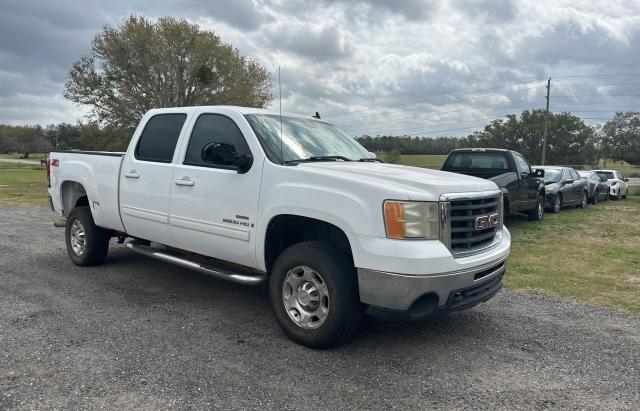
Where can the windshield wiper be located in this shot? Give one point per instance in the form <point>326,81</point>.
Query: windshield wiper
<point>371,160</point>
<point>317,158</point>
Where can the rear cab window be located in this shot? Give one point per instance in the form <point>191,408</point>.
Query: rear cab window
<point>477,160</point>
<point>158,140</point>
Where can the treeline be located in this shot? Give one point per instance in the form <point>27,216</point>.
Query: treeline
<point>570,140</point>
<point>63,136</point>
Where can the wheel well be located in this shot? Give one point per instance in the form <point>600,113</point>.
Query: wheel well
<point>285,230</point>
<point>507,209</point>
<point>73,195</point>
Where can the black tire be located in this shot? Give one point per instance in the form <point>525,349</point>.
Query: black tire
<point>594,200</point>
<point>345,312</point>
<point>557,204</point>
<point>626,193</point>
<point>583,202</point>
<point>618,196</point>
<point>537,214</point>
<point>96,239</point>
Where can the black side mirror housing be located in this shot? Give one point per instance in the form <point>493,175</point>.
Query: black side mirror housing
<point>538,173</point>
<point>225,155</point>
<point>626,180</point>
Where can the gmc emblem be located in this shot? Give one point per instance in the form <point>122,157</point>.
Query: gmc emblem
<point>487,221</point>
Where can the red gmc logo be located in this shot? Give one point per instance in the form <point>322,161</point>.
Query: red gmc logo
<point>487,221</point>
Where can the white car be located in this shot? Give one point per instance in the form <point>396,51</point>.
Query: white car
<point>249,196</point>
<point>618,187</point>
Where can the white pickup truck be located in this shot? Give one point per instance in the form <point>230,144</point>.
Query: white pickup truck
<point>250,196</point>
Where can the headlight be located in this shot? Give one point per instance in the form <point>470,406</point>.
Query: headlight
<point>411,220</point>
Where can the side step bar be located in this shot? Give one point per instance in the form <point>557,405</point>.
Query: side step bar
<point>214,272</point>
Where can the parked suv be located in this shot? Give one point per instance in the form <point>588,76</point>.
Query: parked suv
<point>597,187</point>
<point>522,187</point>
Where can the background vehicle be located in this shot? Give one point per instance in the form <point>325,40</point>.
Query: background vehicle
<point>522,188</point>
<point>249,196</point>
<point>597,187</point>
<point>618,187</point>
<point>563,187</point>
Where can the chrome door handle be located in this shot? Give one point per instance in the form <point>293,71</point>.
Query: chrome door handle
<point>185,182</point>
<point>132,174</point>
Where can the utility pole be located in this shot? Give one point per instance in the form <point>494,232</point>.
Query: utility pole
<point>546,123</point>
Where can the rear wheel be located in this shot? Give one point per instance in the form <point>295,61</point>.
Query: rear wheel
<point>314,295</point>
<point>618,196</point>
<point>626,192</point>
<point>537,213</point>
<point>87,244</point>
<point>594,200</point>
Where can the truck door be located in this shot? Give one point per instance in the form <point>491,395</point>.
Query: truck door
<point>527,185</point>
<point>145,178</point>
<point>214,205</point>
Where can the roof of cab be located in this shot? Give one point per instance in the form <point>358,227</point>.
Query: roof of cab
<point>239,109</point>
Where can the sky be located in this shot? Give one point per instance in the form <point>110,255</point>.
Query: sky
<point>376,67</point>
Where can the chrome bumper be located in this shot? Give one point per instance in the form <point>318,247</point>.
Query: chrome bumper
<point>419,294</point>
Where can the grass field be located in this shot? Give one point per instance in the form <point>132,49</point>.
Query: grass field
<point>423,160</point>
<point>590,255</point>
<point>25,186</point>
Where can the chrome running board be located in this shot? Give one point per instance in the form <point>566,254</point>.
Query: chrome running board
<point>212,271</point>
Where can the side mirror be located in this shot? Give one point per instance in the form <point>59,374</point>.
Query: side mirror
<point>538,173</point>
<point>569,181</point>
<point>225,154</point>
<point>243,162</point>
<point>371,155</point>
<point>626,180</point>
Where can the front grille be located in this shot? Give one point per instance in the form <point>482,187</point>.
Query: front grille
<point>464,235</point>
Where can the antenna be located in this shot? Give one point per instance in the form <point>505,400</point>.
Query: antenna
<point>280,95</point>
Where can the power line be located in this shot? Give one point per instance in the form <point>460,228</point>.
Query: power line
<point>598,75</point>
<point>436,95</point>
<point>443,103</point>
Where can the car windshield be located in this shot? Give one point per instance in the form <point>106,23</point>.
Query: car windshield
<point>606,174</point>
<point>478,160</point>
<point>303,139</point>
<point>552,176</point>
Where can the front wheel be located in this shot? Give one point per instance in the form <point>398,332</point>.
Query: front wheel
<point>557,204</point>
<point>87,244</point>
<point>314,295</point>
<point>537,213</point>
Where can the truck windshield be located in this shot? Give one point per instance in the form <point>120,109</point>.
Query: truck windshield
<point>303,139</point>
<point>477,160</point>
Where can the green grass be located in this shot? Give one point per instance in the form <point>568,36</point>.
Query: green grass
<point>423,160</point>
<point>25,187</point>
<point>32,156</point>
<point>590,255</point>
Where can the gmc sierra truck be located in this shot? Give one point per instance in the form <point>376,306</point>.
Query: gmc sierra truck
<point>249,196</point>
<point>522,187</point>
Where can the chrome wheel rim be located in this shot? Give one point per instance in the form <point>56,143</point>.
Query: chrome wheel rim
<point>540,210</point>
<point>77,239</point>
<point>305,297</point>
<point>556,205</point>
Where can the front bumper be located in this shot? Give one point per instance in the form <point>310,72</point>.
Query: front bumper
<point>411,296</point>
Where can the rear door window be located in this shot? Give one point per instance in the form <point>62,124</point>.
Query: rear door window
<point>159,138</point>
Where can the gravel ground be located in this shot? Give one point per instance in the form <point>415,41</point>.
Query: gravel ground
<point>137,333</point>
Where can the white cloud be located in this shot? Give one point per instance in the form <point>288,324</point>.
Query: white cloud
<point>410,63</point>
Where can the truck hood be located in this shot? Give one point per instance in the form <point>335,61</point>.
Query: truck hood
<point>416,183</point>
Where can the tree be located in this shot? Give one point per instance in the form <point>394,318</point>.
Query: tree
<point>144,64</point>
<point>620,137</point>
